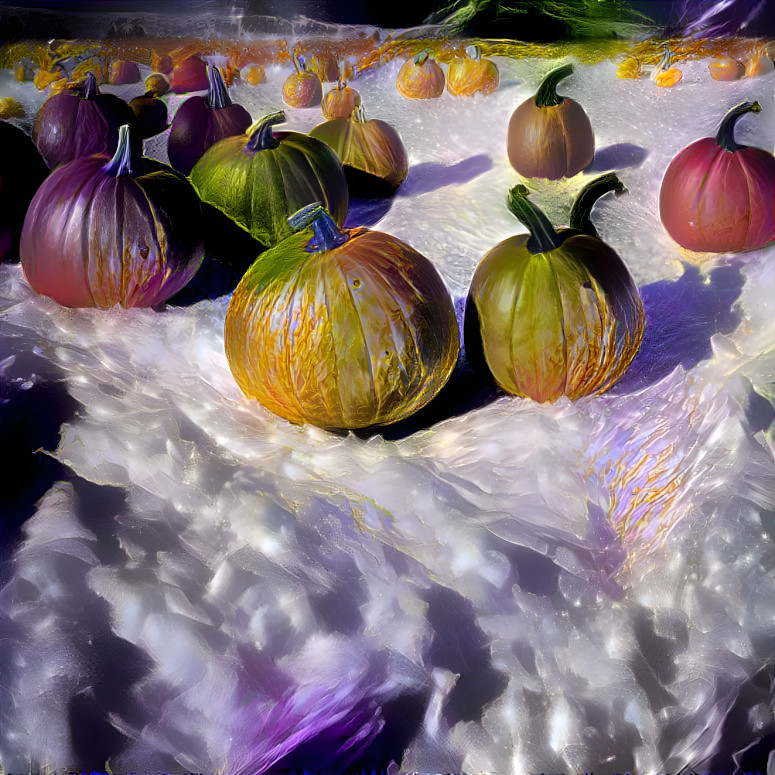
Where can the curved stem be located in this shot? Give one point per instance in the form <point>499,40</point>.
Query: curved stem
<point>543,234</point>
<point>474,52</point>
<point>582,206</point>
<point>326,235</point>
<point>726,131</point>
<point>122,162</point>
<point>217,94</point>
<point>547,96</point>
<point>260,134</point>
<point>90,87</point>
<point>422,58</point>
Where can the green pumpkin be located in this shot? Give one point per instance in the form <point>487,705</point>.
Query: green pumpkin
<point>341,329</point>
<point>260,178</point>
<point>555,313</point>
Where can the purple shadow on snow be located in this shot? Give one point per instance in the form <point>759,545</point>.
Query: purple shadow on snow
<point>616,157</point>
<point>432,175</point>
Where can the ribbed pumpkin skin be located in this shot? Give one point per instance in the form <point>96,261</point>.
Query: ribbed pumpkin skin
<point>360,335</point>
<point>717,201</point>
<point>423,81</point>
<point>260,190</point>
<point>371,146</point>
<point>550,142</point>
<point>567,322</point>
<point>469,76</point>
<point>94,240</point>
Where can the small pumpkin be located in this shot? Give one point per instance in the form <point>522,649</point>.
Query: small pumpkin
<point>550,136</point>
<point>123,72</point>
<point>201,121</point>
<point>150,115</point>
<point>104,231</point>
<point>718,196</point>
<point>341,101</point>
<point>255,74</point>
<point>22,170</point>
<point>371,151</point>
<point>79,122</point>
<point>302,89</point>
<point>189,75</point>
<point>341,328</point>
<point>472,75</point>
<point>158,84</point>
<point>726,68</point>
<point>554,312</point>
<point>666,75</point>
<point>259,178</point>
<point>420,78</point>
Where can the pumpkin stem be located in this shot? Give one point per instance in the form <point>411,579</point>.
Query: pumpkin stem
<point>217,94</point>
<point>546,96</point>
<point>123,158</point>
<point>422,58</point>
<point>726,131</point>
<point>90,86</point>
<point>359,114</point>
<point>299,62</point>
<point>582,206</point>
<point>260,134</point>
<point>474,52</point>
<point>543,237</point>
<point>326,235</point>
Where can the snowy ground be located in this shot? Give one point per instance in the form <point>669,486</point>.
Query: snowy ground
<point>508,588</point>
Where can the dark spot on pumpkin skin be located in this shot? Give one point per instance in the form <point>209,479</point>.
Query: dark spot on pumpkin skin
<point>356,283</point>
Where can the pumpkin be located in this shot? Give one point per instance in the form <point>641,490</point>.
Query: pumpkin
<point>123,73</point>
<point>554,312</point>
<point>255,74</point>
<point>420,78</point>
<point>302,89</point>
<point>666,75</point>
<point>150,115</point>
<point>725,68</point>
<point>103,231</point>
<point>162,63</point>
<point>717,195</point>
<point>79,122</point>
<point>258,179</point>
<point>371,151</point>
<point>158,84</point>
<point>22,170</point>
<point>341,101</point>
<point>472,75</point>
<point>189,75</point>
<point>201,121</point>
<point>550,136</point>
<point>342,329</point>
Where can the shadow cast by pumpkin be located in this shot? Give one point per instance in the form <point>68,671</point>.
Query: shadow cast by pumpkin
<point>431,176</point>
<point>616,157</point>
<point>681,317</point>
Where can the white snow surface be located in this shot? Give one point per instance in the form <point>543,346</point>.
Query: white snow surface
<point>520,588</point>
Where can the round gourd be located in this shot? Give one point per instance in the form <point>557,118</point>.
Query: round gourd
<point>79,123</point>
<point>719,196</point>
<point>103,231</point>
<point>341,329</point>
<point>22,170</point>
<point>420,78</point>
<point>258,179</point>
<point>550,136</point>
<point>302,89</point>
<point>371,151</point>
<point>472,74</point>
<point>189,75</point>
<point>340,102</point>
<point>554,313</point>
<point>201,121</point>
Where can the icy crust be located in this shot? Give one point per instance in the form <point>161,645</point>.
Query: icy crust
<point>522,588</point>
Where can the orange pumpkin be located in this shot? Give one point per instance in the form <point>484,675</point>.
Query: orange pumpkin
<point>420,78</point>
<point>341,101</point>
<point>725,68</point>
<point>666,75</point>
<point>472,75</point>
<point>302,89</point>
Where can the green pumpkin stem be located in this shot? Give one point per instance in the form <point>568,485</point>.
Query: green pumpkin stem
<point>546,96</point>
<point>543,236</point>
<point>326,235</point>
<point>474,52</point>
<point>726,131</point>
<point>90,86</point>
<point>261,137</point>
<point>217,94</point>
<point>422,58</point>
<point>582,206</point>
<point>123,159</point>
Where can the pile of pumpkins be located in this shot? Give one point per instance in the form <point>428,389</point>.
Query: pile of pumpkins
<point>350,328</point>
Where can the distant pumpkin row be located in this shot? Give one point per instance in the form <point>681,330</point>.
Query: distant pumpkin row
<point>349,328</point>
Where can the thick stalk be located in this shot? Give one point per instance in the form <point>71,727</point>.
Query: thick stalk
<point>726,131</point>
<point>261,137</point>
<point>546,96</point>
<point>122,162</point>
<point>326,235</point>
<point>217,94</point>
<point>543,237</point>
<point>582,206</point>
<point>90,87</point>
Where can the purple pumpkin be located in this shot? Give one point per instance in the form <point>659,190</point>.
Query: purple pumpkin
<point>79,123</point>
<point>201,121</point>
<point>103,231</point>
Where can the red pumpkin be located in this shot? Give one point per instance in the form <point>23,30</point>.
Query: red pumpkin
<point>189,75</point>
<point>718,196</point>
<point>550,136</point>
